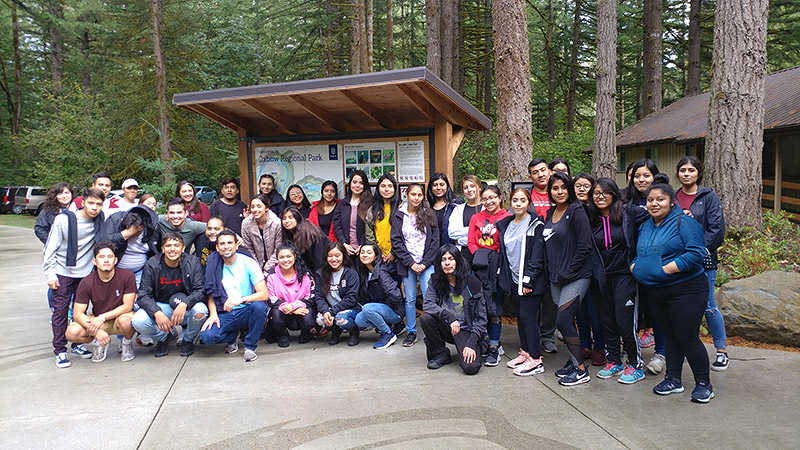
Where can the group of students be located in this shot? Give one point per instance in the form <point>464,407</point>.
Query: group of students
<point>569,250</point>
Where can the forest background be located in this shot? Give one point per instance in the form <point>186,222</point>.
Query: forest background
<point>87,84</point>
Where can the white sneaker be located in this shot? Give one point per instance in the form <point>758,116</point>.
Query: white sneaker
<point>127,350</point>
<point>232,348</point>
<point>62,361</point>
<point>249,355</point>
<point>657,364</point>
<point>99,352</point>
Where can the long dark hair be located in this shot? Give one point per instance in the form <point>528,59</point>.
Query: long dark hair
<point>194,205</point>
<point>304,235</point>
<point>633,194</point>
<point>305,203</point>
<point>425,215</point>
<point>363,272</point>
<point>694,161</point>
<point>365,201</point>
<point>449,195</point>
<point>561,176</point>
<point>51,204</point>
<point>327,270</point>
<point>378,211</point>
<point>556,161</point>
<point>325,184</point>
<point>615,213</point>
<point>441,285</point>
<point>299,265</point>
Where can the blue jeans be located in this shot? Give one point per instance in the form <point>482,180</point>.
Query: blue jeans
<point>714,320</point>
<point>410,291</point>
<point>344,319</point>
<point>252,317</point>
<point>377,315</point>
<point>193,319</point>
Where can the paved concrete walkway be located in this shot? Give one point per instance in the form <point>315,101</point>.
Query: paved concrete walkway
<point>314,396</point>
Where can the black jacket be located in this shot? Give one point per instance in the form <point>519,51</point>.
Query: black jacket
<point>382,287</point>
<point>341,223</point>
<point>578,251</point>
<point>278,203</point>
<point>474,309</point>
<point>707,211</point>
<point>349,286</point>
<point>44,221</point>
<point>533,272</point>
<point>192,275</point>
<point>151,234</point>
<point>404,259</point>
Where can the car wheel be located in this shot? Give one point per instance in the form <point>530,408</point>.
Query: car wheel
<point>38,210</point>
<point>18,209</point>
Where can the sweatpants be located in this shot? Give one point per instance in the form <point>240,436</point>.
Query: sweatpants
<point>679,310</point>
<point>438,335</point>
<point>62,300</point>
<point>619,311</point>
<point>526,308</point>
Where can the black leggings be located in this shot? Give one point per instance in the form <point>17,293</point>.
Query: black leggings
<point>569,297</point>
<point>278,321</point>
<point>526,308</point>
<point>619,310</point>
<point>679,311</point>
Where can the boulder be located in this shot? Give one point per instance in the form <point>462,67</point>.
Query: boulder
<point>763,308</point>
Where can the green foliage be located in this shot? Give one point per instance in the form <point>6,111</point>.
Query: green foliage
<point>569,146</point>
<point>747,252</point>
<point>478,156</point>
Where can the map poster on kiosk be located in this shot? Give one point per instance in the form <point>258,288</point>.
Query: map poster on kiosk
<point>306,165</point>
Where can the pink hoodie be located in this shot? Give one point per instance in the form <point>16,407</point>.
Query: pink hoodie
<point>289,291</point>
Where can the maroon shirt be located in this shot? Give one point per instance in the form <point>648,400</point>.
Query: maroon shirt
<point>105,296</point>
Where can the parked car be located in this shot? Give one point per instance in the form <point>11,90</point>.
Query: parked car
<point>29,199</point>
<point>206,194</point>
<point>7,194</point>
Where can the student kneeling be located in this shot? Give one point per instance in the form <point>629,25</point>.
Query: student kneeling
<point>454,312</point>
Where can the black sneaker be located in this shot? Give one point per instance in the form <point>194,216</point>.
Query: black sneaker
<point>283,340</point>
<point>305,337</point>
<point>703,392</point>
<point>440,360</point>
<point>162,348</point>
<point>564,371</point>
<point>399,329</point>
<point>577,376</point>
<point>355,337</point>
<point>492,357</point>
<point>336,335</point>
<point>720,364</point>
<point>410,340</point>
<point>187,348</point>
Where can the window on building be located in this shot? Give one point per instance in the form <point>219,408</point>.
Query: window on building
<point>622,162</point>
<point>652,155</point>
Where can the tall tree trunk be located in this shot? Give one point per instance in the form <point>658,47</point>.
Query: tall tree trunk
<point>604,156</point>
<point>448,40</point>
<point>433,19</point>
<point>693,82</point>
<point>736,110</point>
<point>513,74</point>
<point>551,71</point>
<point>389,36</point>
<point>652,56</point>
<point>16,105</point>
<point>329,63</point>
<point>164,138</point>
<point>357,23</point>
<point>369,32</point>
<point>56,10</point>
<point>621,98</point>
<point>487,60</point>
<point>86,77</point>
<point>573,69</point>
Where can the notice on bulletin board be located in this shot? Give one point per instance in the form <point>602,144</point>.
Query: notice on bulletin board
<point>411,162</point>
<point>374,158</point>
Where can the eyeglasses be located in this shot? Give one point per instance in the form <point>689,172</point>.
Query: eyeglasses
<point>489,198</point>
<point>602,195</point>
<point>295,193</point>
<point>582,187</point>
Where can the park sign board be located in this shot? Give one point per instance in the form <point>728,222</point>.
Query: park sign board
<point>309,164</point>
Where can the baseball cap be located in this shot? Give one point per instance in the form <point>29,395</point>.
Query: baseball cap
<point>129,183</point>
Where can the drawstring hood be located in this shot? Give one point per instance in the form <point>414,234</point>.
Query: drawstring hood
<point>607,231</point>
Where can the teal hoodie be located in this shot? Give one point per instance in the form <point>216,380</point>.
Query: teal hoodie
<point>673,240</point>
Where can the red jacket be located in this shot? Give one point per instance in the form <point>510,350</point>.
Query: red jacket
<point>313,217</point>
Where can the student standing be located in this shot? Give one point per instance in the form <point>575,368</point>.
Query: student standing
<point>336,295</point>
<point>348,217</point>
<point>483,242</point>
<point>321,213</point>
<point>458,225</point>
<point>703,205</point>
<point>198,211</point>
<point>261,233</point>
<point>266,186</point>
<point>568,243</point>
<point>442,200</point>
<point>231,209</point>
<point>539,173</point>
<point>415,240</point>
<point>668,267</point>
<point>522,277</point>
<point>379,224</point>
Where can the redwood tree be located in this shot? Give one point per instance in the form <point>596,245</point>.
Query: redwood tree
<point>604,156</point>
<point>736,110</point>
<point>652,28</point>
<point>165,141</point>
<point>512,74</point>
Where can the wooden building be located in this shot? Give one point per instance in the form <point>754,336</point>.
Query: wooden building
<point>407,122</point>
<point>680,130</point>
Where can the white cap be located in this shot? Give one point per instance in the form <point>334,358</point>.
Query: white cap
<point>129,182</point>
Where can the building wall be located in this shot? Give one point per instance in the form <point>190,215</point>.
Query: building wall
<point>665,156</point>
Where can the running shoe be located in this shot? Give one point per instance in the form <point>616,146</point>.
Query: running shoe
<point>410,340</point>
<point>631,375</point>
<point>127,350</point>
<point>249,355</point>
<point>564,371</point>
<point>440,360</point>
<point>576,377</point>
<point>647,339</point>
<point>611,369</point>
<point>657,364</point>
<point>670,385</point>
<point>99,353</point>
<point>529,367</point>
<point>492,357</point>
<point>519,360</point>
<point>703,392</point>
<point>385,340</point>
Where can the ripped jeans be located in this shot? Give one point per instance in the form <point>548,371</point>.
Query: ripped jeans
<point>193,319</point>
<point>344,319</point>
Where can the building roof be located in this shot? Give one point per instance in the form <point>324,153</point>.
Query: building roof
<point>686,119</point>
<point>391,100</point>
